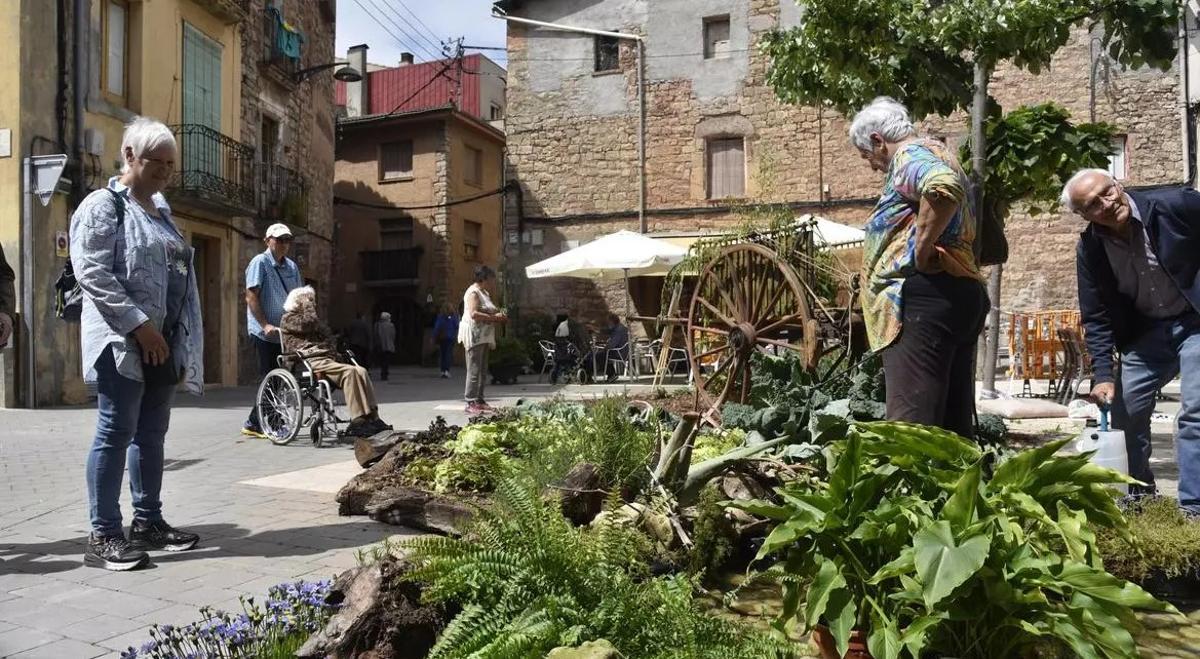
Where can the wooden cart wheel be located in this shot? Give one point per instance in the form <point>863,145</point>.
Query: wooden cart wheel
<point>746,299</point>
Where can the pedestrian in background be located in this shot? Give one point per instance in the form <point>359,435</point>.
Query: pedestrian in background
<point>477,333</point>
<point>385,343</point>
<point>445,333</point>
<point>270,276</point>
<point>141,336</point>
<point>923,297</point>
<point>8,300</point>
<point>359,336</point>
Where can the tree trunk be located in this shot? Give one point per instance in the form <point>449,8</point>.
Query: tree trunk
<point>983,71</point>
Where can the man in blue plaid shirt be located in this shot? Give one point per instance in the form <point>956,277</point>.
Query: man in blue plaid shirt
<point>269,278</point>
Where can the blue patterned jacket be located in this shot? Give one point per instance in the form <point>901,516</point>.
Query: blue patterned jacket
<point>123,275</point>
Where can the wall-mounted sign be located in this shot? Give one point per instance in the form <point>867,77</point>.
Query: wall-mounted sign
<point>61,245</point>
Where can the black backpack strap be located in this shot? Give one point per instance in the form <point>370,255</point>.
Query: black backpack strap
<point>119,203</point>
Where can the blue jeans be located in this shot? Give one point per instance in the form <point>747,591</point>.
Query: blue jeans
<point>1169,348</point>
<point>447,349</point>
<point>130,429</point>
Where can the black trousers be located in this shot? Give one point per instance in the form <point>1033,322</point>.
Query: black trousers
<point>930,369</point>
<point>268,358</point>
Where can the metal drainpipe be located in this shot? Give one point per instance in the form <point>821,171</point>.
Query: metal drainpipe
<point>641,85</point>
<point>79,84</point>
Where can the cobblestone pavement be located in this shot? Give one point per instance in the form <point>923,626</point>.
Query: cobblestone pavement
<point>253,537</point>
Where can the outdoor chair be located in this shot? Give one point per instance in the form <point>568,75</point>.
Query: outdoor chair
<point>675,357</point>
<point>547,348</point>
<point>619,356</point>
<point>1077,366</point>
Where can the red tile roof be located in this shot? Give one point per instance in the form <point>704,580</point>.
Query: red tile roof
<point>394,87</point>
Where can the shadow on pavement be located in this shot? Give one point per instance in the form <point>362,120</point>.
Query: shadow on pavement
<point>216,541</point>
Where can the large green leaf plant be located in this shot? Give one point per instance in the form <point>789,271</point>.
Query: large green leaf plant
<point>921,541</point>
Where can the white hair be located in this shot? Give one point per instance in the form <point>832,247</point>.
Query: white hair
<point>294,296</point>
<point>884,115</point>
<point>143,135</point>
<point>1065,197</point>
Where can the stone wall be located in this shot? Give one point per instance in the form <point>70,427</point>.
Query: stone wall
<point>572,141</point>
<point>305,112</point>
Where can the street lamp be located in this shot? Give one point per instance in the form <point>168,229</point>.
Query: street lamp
<point>345,74</point>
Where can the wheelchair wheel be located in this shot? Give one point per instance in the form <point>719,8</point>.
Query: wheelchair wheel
<point>280,406</point>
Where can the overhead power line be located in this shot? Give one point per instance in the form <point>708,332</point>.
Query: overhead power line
<point>403,43</point>
<point>418,19</point>
<point>414,29</point>
<point>342,201</point>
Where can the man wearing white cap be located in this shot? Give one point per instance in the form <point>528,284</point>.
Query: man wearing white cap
<point>269,278</point>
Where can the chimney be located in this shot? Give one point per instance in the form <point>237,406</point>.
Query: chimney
<point>406,59</point>
<point>358,94</point>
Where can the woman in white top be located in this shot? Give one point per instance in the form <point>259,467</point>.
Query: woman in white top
<point>477,334</point>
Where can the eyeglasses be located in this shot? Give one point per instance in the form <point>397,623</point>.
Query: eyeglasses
<point>169,164</point>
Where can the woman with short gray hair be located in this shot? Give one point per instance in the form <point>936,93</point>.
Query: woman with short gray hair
<point>141,335</point>
<point>477,333</point>
<point>923,297</point>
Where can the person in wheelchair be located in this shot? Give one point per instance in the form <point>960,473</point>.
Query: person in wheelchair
<point>306,335</point>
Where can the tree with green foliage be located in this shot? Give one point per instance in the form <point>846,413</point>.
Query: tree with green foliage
<point>936,57</point>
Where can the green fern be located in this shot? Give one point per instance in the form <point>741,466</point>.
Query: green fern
<point>528,581</point>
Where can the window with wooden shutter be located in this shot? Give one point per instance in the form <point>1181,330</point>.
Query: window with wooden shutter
<point>716,37</point>
<point>472,235</point>
<point>396,160</point>
<point>396,233</point>
<point>201,87</point>
<point>474,166</point>
<point>115,69</point>
<point>726,168</point>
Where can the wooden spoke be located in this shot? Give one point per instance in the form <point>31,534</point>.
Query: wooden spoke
<point>714,351</point>
<point>780,344</point>
<point>710,330</point>
<point>793,320</point>
<point>716,312</point>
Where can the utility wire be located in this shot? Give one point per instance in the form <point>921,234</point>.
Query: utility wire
<point>406,44</point>
<point>416,30</point>
<point>589,59</point>
<point>342,201</point>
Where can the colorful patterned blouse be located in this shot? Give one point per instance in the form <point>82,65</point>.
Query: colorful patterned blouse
<point>920,169</point>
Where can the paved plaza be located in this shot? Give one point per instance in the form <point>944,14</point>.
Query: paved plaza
<point>254,536</point>
<point>266,515</point>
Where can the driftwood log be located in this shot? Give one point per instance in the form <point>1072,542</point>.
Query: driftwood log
<point>369,450</point>
<point>381,616</point>
<point>418,509</point>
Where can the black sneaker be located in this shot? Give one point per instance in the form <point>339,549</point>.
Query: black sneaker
<point>113,552</point>
<point>160,535</point>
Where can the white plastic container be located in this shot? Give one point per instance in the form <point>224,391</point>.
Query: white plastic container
<point>1109,447</point>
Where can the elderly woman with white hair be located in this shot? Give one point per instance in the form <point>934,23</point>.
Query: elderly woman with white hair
<point>306,334</point>
<point>923,297</point>
<point>142,337</point>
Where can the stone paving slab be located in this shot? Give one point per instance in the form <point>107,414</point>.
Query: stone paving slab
<point>218,483</point>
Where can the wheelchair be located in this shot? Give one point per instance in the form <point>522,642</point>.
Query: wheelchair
<point>293,397</point>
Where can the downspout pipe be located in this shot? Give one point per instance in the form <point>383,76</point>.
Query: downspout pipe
<point>79,87</point>
<point>641,91</point>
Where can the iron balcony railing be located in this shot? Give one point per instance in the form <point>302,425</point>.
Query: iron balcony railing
<point>391,266</point>
<point>283,195</point>
<point>214,169</point>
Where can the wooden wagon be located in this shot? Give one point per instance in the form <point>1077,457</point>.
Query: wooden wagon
<point>778,291</point>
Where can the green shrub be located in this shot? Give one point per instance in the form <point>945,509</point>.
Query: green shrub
<point>527,581</point>
<point>712,535</point>
<point>1164,541</point>
<point>508,353</point>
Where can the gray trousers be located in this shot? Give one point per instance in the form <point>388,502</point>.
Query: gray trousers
<point>477,358</point>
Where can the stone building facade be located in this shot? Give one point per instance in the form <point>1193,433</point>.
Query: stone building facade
<point>205,68</point>
<point>572,137</point>
<point>418,195</point>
